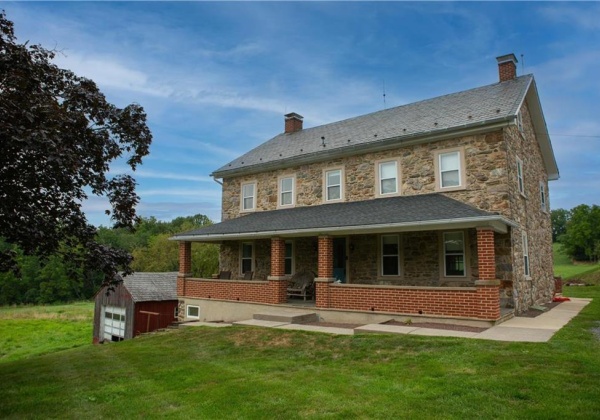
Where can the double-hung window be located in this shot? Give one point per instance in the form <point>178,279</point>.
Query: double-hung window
<point>449,165</point>
<point>249,196</point>
<point>246,257</point>
<point>286,191</point>
<point>390,255</point>
<point>525,255</point>
<point>388,178</point>
<point>333,185</point>
<point>520,182</point>
<point>289,257</point>
<point>544,205</point>
<point>454,254</point>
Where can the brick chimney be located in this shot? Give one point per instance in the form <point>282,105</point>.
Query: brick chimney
<point>507,67</point>
<point>293,122</point>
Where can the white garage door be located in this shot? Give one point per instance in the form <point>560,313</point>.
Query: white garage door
<point>114,323</point>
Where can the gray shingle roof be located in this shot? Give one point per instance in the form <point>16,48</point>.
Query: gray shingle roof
<point>425,209</point>
<point>470,108</point>
<point>145,287</point>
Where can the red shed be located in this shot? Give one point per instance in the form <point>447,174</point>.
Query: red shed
<point>143,302</point>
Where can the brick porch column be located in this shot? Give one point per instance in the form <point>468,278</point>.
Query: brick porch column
<point>185,266</point>
<point>278,282</point>
<point>486,255</point>
<point>325,257</point>
<point>277,257</point>
<point>325,275</point>
<point>488,287</point>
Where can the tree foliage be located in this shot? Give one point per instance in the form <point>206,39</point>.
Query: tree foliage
<point>559,218</point>
<point>581,240</point>
<point>58,137</point>
<point>56,280</point>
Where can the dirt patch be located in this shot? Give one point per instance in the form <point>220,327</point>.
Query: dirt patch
<point>438,326</point>
<point>532,313</point>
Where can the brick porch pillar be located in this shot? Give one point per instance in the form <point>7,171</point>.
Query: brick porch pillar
<point>185,266</point>
<point>277,257</point>
<point>325,275</point>
<point>488,287</point>
<point>486,255</point>
<point>278,282</point>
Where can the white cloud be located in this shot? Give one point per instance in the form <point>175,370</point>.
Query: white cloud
<point>585,16</point>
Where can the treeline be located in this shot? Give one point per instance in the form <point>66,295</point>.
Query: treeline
<point>55,280</point>
<point>578,231</point>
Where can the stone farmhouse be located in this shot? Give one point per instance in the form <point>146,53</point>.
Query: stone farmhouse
<point>438,208</point>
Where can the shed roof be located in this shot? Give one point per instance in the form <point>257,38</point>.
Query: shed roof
<point>474,108</point>
<point>416,212</point>
<point>145,287</point>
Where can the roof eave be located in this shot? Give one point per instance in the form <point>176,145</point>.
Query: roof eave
<point>389,143</point>
<point>541,130</point>
<point>498,223</point>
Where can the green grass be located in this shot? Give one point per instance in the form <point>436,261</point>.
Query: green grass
<point>28,331</point>
<point>245,372</point>
<point>564,267</point>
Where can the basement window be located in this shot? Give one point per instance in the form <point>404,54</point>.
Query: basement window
<point>193,311</point>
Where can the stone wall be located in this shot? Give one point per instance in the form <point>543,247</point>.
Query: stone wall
<point>229,258</point>
<point>526,210</point>
<point>486,176</point>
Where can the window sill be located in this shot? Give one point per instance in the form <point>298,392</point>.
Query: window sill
<point>450,189</point>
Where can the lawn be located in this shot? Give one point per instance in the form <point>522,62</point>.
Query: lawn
<point>245,372</point>
<point>27,331</point>
<point>564,267</point>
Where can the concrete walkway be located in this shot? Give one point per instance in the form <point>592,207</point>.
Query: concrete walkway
<point>518,329</point>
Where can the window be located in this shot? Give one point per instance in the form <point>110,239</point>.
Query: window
<point>388,178</point>
<point>525,255</point>
<point>289,257</point>
<point>520,176</point>
<point>454,254</point>
<point>248,196</point>
<point>193,311</point>
<point>286,191</point>
<point>247,257</point>
<point>520,121</point>
<point>333,185</point>
<point>450,169</point>
<point>543,197</point>
<point>390,255</point>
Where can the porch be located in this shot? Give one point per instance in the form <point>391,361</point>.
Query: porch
<point>431,266</point>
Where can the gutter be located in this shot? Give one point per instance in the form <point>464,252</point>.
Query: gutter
<point>389,143</point>
<point>498,223</point>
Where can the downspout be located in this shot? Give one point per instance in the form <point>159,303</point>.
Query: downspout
<point>217,181</point>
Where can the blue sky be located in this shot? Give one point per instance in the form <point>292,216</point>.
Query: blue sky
<point>217,78</point>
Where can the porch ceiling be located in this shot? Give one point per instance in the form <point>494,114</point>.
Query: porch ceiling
<point>394,214</point>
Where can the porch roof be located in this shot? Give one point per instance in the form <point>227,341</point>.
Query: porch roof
<point>395,214</point>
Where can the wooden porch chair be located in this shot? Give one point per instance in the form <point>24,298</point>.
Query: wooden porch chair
<point>225,275</point>
<point>302,284</point>
<point>248,275</point>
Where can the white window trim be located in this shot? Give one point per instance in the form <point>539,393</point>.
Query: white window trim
<point>293,255</point>
<point>462,172</point>
<point>464,254</point>
<point>280,191</point>
<point>252,262</point>
<point>254,197</point>
<point>342,185</point>
<point>187,312</point>
<point>543,197</point>
<point>378,178</point>
<point>526,260</point>
<point>520,177</point>
<point>519,121</point>
<point>381,255</point>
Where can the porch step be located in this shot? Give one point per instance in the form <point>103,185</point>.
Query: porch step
<point>288,317</point>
